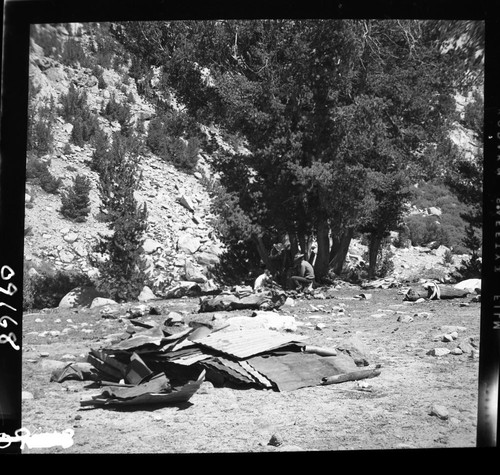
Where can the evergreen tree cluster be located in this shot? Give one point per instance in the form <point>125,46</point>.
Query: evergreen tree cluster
<point>75,110</point>
<point>340,118</point>
<point>122,274</point>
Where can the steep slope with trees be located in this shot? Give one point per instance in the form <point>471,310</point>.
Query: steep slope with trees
<point>340,118</point>
<point>312,135</point>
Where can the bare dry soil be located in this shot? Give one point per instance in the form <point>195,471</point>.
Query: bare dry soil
<point>393,412</point>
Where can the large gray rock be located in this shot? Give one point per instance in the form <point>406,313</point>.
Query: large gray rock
<point>434,211</point>
<point>101,301</point>
<point>66,256</point>
<point>79,297</point>
<point>207,259</point>
<point>146,294</point>
<point>70,237</point>
<point>356,349</point>
<point>192,274</point>
<point>150,246</point>
<point>439,411</point>
<point>188,244</point>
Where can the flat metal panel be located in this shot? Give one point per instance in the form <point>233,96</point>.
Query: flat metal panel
<point>245,343</point>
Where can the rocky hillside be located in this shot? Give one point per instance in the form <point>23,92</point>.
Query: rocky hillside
<point>179,238</point>
<point>180,243</point>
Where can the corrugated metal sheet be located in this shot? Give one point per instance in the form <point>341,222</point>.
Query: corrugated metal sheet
<point>245,343</point>
<point>296,370</point>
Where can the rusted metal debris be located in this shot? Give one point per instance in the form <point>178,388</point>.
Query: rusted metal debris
<point>155,366</point>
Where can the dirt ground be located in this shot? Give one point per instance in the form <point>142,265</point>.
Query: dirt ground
<point>394,412</point>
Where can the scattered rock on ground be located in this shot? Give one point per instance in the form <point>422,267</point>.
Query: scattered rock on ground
<point>439,411</point>
<point>438,352</point>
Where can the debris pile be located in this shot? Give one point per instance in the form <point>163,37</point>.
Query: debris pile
<point>159,363</point>
<point>435,291</point>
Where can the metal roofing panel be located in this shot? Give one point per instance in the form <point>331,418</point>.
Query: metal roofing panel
<point>247,342</point>
<point>296,370</point>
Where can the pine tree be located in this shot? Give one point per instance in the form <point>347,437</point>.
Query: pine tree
<point>76,201</point>
<point>121,275</point>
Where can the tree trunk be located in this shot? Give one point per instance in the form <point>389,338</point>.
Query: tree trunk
<point>373,248</point>
<point>261,249</point>
<point>337,263</point>
<point>323,257</point>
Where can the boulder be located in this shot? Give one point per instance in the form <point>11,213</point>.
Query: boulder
<point>189,244</point>
<point>207,259</point>
<point>138,310</point>
<point>101,301</point>
<point>150,246</point>
<point>439,411</point>
<point>356,349</point>
<point>79,297</point>
<point>192,274</point>
<point>66,256</point>
<point>146,294</point>
<point>434,211</point>
<point>439,352</point>
<point>80,249</point>
<point>70,237</point>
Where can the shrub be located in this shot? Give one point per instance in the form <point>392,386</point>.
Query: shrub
<point>28,290</point>
<point>46,289</point>
<point>37,171</point>
<point>40,137</point>
<point>447,257</point>
<point>424,230</point>
<point>162,141</point>
<point>67,149</point>
<point>101,147</point>
<point>49,182</point>
<point>84,128</point>
<point>426,273</point>
<point>474,114</point>
<point>74,55</point>
<point>75,111</point>
<point>470,268</point>
<point>115,111</point>
<point>76,201</point>
<point>98,73</point>
<point>72,103</point>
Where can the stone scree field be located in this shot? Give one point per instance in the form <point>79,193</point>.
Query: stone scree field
<point>419,400</point>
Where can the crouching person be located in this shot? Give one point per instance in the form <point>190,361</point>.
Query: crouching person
<point>304,277</point>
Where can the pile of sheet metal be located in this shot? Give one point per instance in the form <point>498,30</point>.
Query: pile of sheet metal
<point>162,364</point>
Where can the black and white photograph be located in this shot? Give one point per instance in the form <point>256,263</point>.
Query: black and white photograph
<point>249,235</point>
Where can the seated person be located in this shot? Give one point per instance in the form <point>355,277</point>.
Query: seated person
<point>264,281</point>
